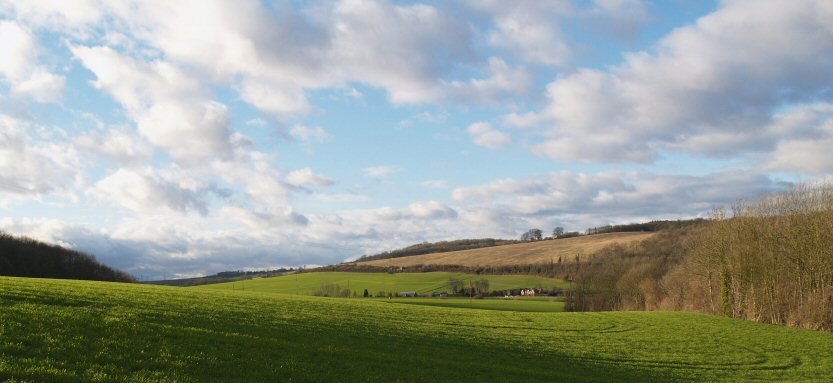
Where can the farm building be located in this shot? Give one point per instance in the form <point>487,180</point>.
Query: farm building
<point>528,292</point>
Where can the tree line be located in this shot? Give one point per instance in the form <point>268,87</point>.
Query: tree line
<point>770,261</point>
<point>438,247</point>
<point>26,257</point>
<point>559,233</point>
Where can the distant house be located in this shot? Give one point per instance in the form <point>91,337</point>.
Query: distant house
<point>528,292</point>
<point>407,293</point>
<point>439,294</point>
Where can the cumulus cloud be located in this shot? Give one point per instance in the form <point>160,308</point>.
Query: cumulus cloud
<point>34,164</point>
<point>431,210</point>
<point>608,195</point>
<point>20,67</point>
<point>257,178</point>
<point>22,170</point>
<point>307,177</point>
<point>530,29</point>
<point>69,15</point>
<point>344,197</point>
<point>728,72</point>
<point>502,83</point>
<point>404,49</point>
<point>483,134</point>
<point>145,192</point>
<point>308,135</point>
<point>171,110</point>
<point>809,132</point>
<point>272,56</point>
<point>118,144</point>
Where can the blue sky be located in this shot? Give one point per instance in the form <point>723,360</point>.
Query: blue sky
<point>186,138</point>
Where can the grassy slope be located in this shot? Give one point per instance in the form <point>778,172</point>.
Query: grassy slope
<point>78,331</point>
<point>523,253</point>
<point>519,304</point>
<point>305,283</point>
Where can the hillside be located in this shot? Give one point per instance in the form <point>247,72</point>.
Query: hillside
<point>768,260</point>
<point>439,247</point>
<point>309,283</point>
<point>26,257</point>
<point>80,331</point>
<point>523,253</point>
<point>221,277</point>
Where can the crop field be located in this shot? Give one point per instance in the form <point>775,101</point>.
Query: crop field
<point>535,252</point>
<point>501,304</point>
<point>307,283</point>
<point>78,331</point>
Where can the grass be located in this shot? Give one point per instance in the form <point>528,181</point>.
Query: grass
<point>500,304</point>
<point>79,331</point>
<point>536,252</point>
<point>307,283</point>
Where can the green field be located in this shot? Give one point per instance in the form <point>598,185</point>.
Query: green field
<point>519,304</point>
<point>78,331</point>
<point>307,283</point>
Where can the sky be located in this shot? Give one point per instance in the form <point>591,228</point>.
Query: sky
<point>184,138</point>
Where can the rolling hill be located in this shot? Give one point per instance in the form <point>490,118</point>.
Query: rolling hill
<point>82,331</point>
<point>522,253</point>
<point>27,257</point>
<point>308,283</point>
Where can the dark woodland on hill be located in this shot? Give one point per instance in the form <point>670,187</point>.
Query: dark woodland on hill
<point>26,257</point>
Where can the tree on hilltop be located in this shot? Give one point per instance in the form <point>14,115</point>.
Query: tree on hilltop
<point>532,235</point>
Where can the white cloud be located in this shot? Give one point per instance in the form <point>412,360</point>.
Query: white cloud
<point>432,210</point>
<point>809,132</point>
<point>145,191</point>
<point>256,122</point>
<point>529,29</point>
<point>22,170</point>
<point>728,72</point>
<point>307,177</point>
<point>340,197</point>
<point>121,145</point>
<point>380,171</point>
<point>484,135</point>
<point>612,195</point>
<point>68,15</point>
<point>20,65</point>
<point>273,55</point>
<point>33,162</point>
<point>503,83</point>
<point>255,176</point>
<point>308,135</point>
<point>263,220</point>
<point>171,110</point>
<point>404,49</point>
